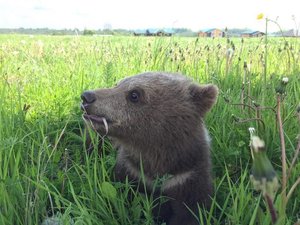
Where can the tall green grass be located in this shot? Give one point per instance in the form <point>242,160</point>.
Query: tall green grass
<point>44,168</point>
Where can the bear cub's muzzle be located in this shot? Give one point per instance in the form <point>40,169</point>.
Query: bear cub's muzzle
<point>88,98</point>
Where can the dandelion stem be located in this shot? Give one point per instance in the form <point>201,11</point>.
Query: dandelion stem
<point>283,155</point>
<point>249,88</point>
<point>244,105</point>
<point>253,119</point>
<point>271,208</point>
<point>257,112</point>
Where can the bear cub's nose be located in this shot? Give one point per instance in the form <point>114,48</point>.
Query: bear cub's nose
<point>88,97</point>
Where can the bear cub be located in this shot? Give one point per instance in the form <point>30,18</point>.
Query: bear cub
<point>156,121</point>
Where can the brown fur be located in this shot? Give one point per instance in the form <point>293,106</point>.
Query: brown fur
<point>164,132</point>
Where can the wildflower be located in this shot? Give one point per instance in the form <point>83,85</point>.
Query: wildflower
<point>251,130</point>
<point>260,16</point>
<point>285,80</point>
<point>263,176</point>
<point>256,143</point>
<point>282,86</point>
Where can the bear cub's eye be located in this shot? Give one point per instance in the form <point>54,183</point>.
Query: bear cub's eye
<point>134,96</point>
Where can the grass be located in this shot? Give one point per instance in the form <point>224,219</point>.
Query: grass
<point>44,168</point>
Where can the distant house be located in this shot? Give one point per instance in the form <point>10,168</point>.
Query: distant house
<point>252,34</point>
<point>214,32</point>
<point>154,32</point>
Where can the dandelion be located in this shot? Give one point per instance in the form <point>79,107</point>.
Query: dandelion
<point>281,88</point>
<point>251,131</point>
<point>263,176</point>
<point>260,16</point>
<point>285,80</point>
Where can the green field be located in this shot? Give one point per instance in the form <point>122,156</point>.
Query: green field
<point>44,168</point>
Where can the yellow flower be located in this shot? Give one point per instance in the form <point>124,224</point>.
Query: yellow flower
<point>260,16</point>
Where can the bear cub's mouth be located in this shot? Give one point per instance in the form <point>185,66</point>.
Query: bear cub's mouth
<point>93,117</point>
<point>96,118</point>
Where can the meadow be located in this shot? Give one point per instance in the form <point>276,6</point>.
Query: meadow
<point>45,170</point>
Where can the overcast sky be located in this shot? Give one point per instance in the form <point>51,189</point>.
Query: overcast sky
<point>133,14</point>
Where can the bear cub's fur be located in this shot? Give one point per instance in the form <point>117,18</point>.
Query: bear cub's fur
<point>156,122</point>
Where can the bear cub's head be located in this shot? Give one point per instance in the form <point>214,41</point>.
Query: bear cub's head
<point>149,108</point>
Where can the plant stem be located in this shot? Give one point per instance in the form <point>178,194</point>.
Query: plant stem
<point>253,119</point>
<point>283,155</point>
<point>271,208</point>
<point>297,151</point>
<point>243,86</point>
<point>293,188</point>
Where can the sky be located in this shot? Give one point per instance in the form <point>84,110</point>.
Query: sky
<point>134,14</point>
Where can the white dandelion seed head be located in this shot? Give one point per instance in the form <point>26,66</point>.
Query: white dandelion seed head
<point>257,144</point>
<point>251,130</point>
<point>285,80</point>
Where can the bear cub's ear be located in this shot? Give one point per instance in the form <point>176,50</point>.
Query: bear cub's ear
<point>203,96</point>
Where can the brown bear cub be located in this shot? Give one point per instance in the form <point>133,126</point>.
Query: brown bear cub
<point>156,122</point>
